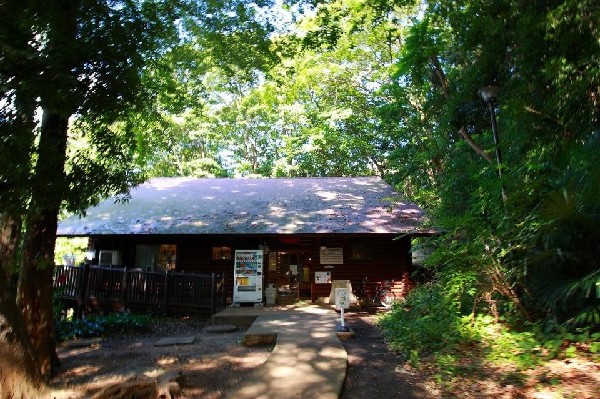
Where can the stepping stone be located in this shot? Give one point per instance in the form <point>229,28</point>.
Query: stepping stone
<point>220,328</point>
<point>175,341</point>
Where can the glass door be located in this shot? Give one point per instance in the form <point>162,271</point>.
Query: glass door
<point>287,277</point>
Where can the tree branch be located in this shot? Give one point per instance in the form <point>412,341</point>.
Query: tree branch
<point>443,80</point>
<point>478,149</point>
<point>440,74</point>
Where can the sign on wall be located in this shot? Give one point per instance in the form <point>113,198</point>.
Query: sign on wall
<point>332,256</point>
<point>322,277</point>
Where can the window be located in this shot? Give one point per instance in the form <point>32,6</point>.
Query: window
<point>145,256</point>
<point>156,257</point>
<point>221,253</point>
<point>167,256</point>
<point>360,252</point>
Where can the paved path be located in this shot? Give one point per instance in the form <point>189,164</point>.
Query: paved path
<point>308,360</point>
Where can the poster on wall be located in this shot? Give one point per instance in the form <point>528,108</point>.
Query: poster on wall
<point>332,256</point>
<point>322,277</point>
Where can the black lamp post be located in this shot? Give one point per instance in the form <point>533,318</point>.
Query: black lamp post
<point>489,94</point>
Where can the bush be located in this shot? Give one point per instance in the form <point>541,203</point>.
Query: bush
<point>97,326</point>
<point>425,323</point>
<point>429,324</point>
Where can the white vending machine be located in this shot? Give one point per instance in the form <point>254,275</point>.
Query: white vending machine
<point>248,277</point>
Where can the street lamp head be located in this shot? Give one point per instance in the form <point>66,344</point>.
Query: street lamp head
<point>489,93</point>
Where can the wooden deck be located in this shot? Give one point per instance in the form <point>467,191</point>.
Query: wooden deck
<point>104,289</point>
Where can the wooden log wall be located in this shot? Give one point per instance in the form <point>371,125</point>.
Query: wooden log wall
<point>389,259</point>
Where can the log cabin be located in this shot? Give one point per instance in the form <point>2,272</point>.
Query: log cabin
<point>310,231</point>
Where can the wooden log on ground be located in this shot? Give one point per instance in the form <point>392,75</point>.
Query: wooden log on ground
<point>143,387</point>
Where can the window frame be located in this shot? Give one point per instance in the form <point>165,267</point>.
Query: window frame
<point>219,250</point>
<point>361,253</point>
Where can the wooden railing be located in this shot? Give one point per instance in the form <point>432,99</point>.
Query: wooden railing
<point>95,288</point>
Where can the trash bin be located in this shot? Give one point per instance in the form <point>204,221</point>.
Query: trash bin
<point>270,294</point>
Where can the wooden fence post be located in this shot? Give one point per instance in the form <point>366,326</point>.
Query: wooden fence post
<point>124,288</point>
<point>213,294</point>
<point>82,285</point>
<point>166,293</point>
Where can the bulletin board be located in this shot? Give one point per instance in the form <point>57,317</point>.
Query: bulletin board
<point>332,256</point>
<point>322,277</point>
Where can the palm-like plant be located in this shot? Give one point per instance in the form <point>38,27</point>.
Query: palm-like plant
<point>564,262</point>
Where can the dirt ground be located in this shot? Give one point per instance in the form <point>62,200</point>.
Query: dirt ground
<point>376,372</point>
<point>216,362</point>
<point>210,366</point>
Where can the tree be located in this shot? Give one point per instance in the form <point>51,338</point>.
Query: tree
<point>544,56</point>
<point>88,55</point>
<point>450,52</point>
<point>82,62</point>
<point>317,112</point>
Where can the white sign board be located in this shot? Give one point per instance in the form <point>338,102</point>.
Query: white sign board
<point>342,298</point>
<point>332,256</point>
<point>322,277</point>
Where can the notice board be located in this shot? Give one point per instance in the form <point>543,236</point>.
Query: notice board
<point>322,277</point>
<point>331,256</point>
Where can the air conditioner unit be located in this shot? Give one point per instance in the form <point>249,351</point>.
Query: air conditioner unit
<point>109,258</point>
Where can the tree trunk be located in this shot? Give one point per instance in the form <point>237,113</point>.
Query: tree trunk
<point>10,233</point>
<point>35,288</point>
<point>501,286</point>
<point>19,375</point>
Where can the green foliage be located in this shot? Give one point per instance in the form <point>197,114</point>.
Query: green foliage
<point>98,326</point>
<point>505,346</point>
<point>535,255</point>
<point>427,322</point>
<point>450,344</point>
<point>559,258</point>
<point>76,246</point>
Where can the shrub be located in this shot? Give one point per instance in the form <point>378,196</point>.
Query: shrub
<point>96,326</point>
<point>425,323</point>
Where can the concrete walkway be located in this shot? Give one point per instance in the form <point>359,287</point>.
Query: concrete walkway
<point>308,360</point>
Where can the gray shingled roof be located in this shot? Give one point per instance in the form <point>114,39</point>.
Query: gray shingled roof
<point>251,206</point>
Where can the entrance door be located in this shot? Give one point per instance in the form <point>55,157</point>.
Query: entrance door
<point>291,276</point>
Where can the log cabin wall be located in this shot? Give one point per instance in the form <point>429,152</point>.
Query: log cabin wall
<point>377,257</point>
